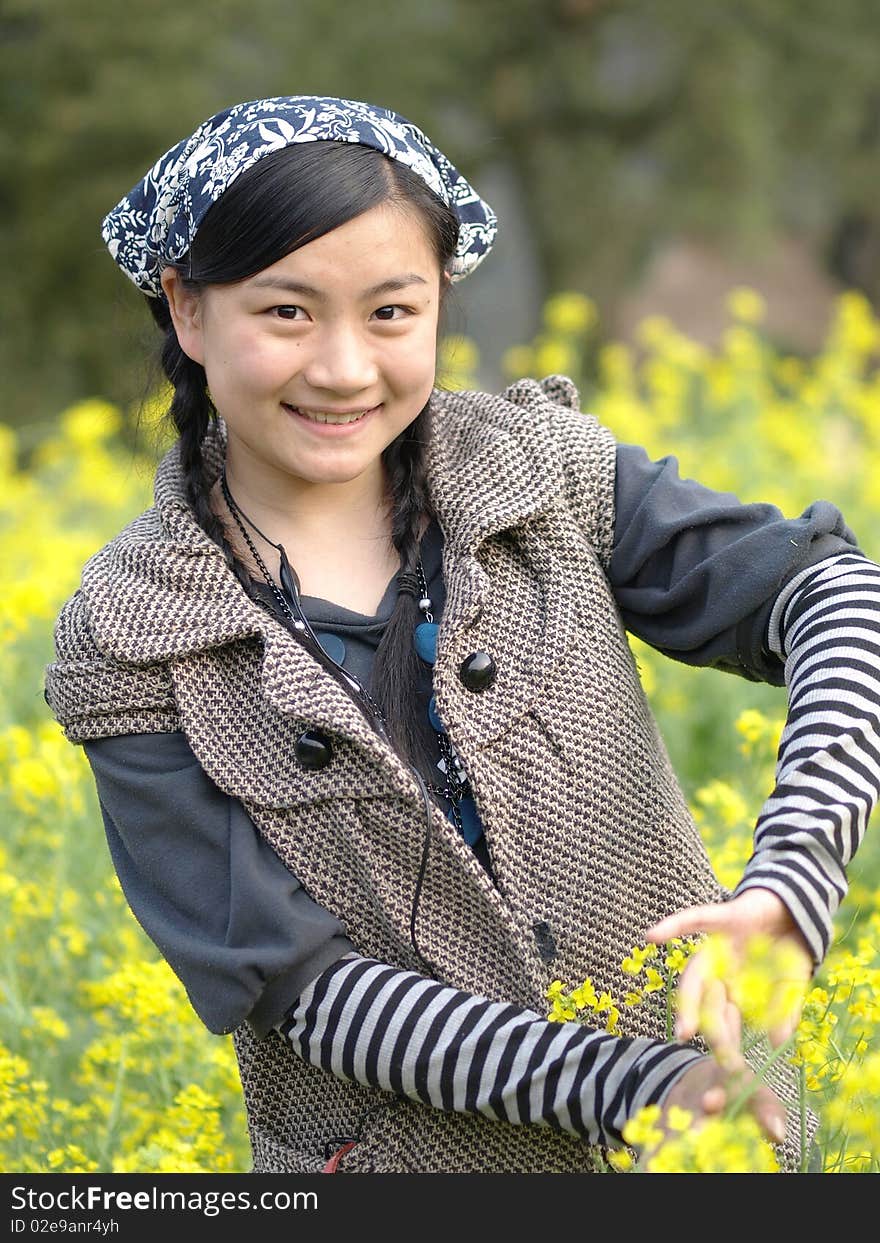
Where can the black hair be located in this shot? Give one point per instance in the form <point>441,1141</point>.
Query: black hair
<point>253,224</point>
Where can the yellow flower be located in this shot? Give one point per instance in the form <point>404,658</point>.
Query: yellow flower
<point>634,962</point>
<point>612,1022</point>
<point>678,1119</point>
<point>856,329</point>
<point>746,305</point>
<point>75,939</point>
<point>459,354</point>
<point>569,314</point>
<point>90,421</point>
<point>70,1160</point>
<point>766,978</point>
<point>457,361</point>
<point>751,724</point>
<point>676,960</point>
<point>555,357</point>
<point>642,1130</point>
<point>722,800</point>
<point>46,1022</point>
<point>655,981</point>
<point>718,1146</point>
<point>585,995</point>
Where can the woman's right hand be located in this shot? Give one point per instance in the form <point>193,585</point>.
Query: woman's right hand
<point>707,1088</point>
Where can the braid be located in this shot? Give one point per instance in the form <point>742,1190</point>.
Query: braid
<point>191,411</point>
<point>397,667</point>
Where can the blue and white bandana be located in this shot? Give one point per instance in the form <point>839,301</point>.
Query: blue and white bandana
<point>156,222</point>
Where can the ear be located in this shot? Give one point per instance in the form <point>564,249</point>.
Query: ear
<point>185,306</point>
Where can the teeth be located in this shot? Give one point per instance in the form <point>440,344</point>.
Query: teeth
<point>333,418</point>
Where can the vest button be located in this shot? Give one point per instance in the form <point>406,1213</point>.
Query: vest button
<point>313,749</point>
<point>477,671</point>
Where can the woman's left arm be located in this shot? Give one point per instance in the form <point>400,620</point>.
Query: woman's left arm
<point>825,625</point>
<point>711,581</point>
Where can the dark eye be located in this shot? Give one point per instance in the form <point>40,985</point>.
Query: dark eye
<point>286,312</point>
<point>387,313</point>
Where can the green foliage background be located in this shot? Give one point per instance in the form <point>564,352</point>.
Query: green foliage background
<point>620,122</point>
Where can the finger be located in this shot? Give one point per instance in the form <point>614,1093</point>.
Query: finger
<point>784,1030</point>
<point>719,1021</point>
<point>726,1041</point>
<point>778,1034</point>
<point>792,993</point>
<point>691,986</point>
<point>681,924</point>
<point>769,1112</point>
<point>714,1099</point>
<point>735,1024</point>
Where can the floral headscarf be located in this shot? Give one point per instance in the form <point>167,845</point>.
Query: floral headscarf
<point>156,222</point>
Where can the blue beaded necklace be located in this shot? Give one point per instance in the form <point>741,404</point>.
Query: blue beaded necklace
<point>463,809</point>
<point>455,789</point>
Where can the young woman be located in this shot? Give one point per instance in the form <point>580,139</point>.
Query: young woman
<point>373,756</point>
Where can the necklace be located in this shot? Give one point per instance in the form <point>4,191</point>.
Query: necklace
<point>455,788</point>
<point>455,782</point>
<point>288,599</point>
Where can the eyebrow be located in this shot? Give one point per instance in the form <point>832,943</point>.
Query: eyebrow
<point>392,285</point>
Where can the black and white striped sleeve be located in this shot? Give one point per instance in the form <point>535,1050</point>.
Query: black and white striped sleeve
<point>825,624</point>
<point>401,1032</point>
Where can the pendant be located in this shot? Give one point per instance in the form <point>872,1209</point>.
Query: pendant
<point>289,577</point>
<point>425,638</point>
<point>333,645</point>
<point>471,825</point>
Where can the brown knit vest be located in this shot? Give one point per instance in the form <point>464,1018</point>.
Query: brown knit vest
<point>590,837</point>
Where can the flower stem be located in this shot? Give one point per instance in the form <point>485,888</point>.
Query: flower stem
<point>669,991</point>
<point>739,1101</point>
<point>802,1112</point>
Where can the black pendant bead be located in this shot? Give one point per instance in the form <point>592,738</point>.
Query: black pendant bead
<point>313,750</point>
<point>477,671</point>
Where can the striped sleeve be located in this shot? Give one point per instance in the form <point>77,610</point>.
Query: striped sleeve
<point>825,625</point>
<point>404,1033</point>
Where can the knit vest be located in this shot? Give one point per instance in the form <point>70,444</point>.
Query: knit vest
<point>590,837</point>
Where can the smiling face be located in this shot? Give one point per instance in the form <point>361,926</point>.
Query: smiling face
<point>345,325</point>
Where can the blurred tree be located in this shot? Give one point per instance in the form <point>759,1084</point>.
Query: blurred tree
<point>622,123</point>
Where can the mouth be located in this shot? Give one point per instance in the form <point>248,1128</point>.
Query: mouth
<point>330,418</point>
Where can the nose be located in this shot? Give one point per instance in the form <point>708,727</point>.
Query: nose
<point>341,361</point>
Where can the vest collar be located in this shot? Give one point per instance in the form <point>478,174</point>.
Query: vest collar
<point>489,467</point>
